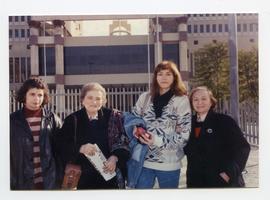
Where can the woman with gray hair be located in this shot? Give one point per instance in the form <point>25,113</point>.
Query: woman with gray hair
<point>94,124</point>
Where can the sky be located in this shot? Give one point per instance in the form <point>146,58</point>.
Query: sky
<point>86,7</point>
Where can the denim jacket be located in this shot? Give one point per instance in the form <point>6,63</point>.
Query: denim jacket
<point>138,151</point>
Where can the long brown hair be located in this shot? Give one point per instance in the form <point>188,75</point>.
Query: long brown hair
<point>178,87</point>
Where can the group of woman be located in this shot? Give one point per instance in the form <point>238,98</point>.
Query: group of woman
<point>41,147</point>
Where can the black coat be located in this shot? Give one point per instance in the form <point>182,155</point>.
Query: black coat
<point>92,132</point>
<point>221,147</point>
<point>21,151</point>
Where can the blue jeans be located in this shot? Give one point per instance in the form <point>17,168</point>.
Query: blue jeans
<point>166,179</point>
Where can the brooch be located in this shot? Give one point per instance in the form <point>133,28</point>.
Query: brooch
<point>209,130</point>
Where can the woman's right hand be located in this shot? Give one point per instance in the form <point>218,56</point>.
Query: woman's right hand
<point>88,149</point>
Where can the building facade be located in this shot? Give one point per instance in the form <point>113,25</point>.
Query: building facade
<point>52,47</point>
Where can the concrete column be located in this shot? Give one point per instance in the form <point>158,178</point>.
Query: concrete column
<point>157,41</point>
<point>33,41</point>
<point>183,57</point>
<point>59,65</point>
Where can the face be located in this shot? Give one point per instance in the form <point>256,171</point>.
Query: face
<point>201,101</point>
<point>165,79</point>
<point>34,98</point>
<point>93,101</point>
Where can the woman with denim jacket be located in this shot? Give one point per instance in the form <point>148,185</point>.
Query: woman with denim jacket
<point>167,114</point>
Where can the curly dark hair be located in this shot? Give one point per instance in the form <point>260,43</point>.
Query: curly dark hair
<point>33,82</point>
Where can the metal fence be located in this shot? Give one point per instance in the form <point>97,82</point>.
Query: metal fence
<point>124,98</point>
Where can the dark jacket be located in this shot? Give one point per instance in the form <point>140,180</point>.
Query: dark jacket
<point>109,135</point>
<point>21,151</point>
<point>221,147</point>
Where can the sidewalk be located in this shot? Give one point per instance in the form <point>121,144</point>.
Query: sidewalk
<point>252,170</point>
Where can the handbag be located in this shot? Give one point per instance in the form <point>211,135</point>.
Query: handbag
<point>72,176</point>
<point>72,171</point>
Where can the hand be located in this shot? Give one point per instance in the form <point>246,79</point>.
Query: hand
<point>225,176</point>
<point>147,140</point>
<point>88,149</point>
<point>110,164</point>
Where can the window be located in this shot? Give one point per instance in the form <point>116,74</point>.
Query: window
<point>171,52</point>
<point>110,59</point>
<point>10,18</point>
<point>226,28</point>
<point>238,27</point>
<point>11,70</point>
<point>22,18</point>
<point>220,28</point>
<point>201,28</point>
<point>50,61</point>
<point>207,15</point>
<point>251,27</point>
<point>214,28</point>
<point>195,42</point>
<point>22,33</point>
<point>215,41</point>
<point>251,40</point>
<point>245,27</point>
<point>189,29</point>
<point>17,70</point>
<point>195,28</point>
<point>16,18</point>
<point>23,69</point>
<point>208,28</point>
<point>10,33</point>
<point>28,33</point>
<point>28,18</point>
<point>16,33</point>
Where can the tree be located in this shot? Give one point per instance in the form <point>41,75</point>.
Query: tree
<point>212,69</point>
<point>248,75</point>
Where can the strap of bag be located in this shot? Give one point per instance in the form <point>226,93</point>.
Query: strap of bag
<point>147,97</point>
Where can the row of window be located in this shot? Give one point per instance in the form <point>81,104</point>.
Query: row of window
<point>196,42</point>
<point>19,69</point>
<point>214,15</point>
<point>19,18</point>
<point>19,33</point>
<point>93,60</point>
<point>214,28</point>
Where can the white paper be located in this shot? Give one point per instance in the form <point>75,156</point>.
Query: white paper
<point>97,161</point>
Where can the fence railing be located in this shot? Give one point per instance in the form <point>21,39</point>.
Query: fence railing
<point>124,98</point>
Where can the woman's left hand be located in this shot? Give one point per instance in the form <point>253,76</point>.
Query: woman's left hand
<point>110,164</point>
<point>225,176</point>
<point>147,140</point>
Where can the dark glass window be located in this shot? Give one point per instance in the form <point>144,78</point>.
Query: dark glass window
<point>201,28</point>
<point>16,33</point>
<point>16,18</point>
<point>171,52</point>
<point>195,42</point>
<point>22,33</point>
<point>22,18</point>
<point>214,28</point>
<point>226,28</point>
<point>195,28</point>
<point>10,18</point>
<point>238,27</point>
<point>207,15</point>
<point>189,29</point>
<point>17,70</point>
<point>11,70</point>
<point>208,28</point>
<point>220,28</point>
<point>50,61</point>
<point>251,40</point>
<point>28,33</point>
<point>10,33</point>
<point>245,27</point>
<point>251,27</point>
<point>107,59</point>
<point>28,18</point>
